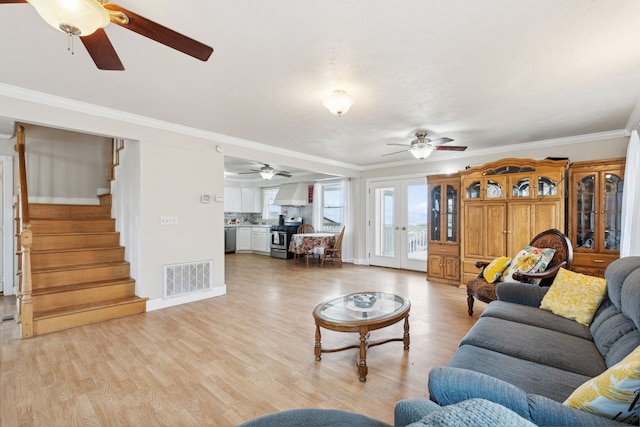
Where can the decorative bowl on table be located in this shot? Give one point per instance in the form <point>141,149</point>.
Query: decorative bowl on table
<point>364,300</point>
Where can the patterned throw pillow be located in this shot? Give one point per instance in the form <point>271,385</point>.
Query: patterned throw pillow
<point>493,271</point>
<point>614,393</point>
<point>575,296</point>
<point>529,260</point>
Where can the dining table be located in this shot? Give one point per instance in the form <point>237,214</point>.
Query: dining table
<point>311,243</point>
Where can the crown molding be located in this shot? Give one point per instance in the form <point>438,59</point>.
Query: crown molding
<point>123,116</point>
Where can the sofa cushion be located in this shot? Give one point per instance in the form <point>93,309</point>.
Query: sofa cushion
<point>575,296</point>
<point>614,334</point>
<point>473,412</point>
<point>623,277</point>
<point>614,393</point>
<point>531,377</point>
<point>529,260</point>
<point>536,344</point>
<point>535,317</point>
<point>493,271</point>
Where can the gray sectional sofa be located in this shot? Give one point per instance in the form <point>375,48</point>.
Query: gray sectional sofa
<point>516,365</point>
<point>531,360</point>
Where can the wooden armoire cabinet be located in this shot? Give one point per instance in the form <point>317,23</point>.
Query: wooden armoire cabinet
<point>443,261</point>
<point>595,209</point>
<point>505,204</point>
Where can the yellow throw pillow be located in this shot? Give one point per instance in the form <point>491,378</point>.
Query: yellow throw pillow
<point>612,394</point>
<point>493,271</point>
<point>575,296</point>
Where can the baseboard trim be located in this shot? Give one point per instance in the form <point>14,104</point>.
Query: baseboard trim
<point>160,303</point>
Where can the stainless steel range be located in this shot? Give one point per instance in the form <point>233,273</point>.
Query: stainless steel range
<point>280,238</point>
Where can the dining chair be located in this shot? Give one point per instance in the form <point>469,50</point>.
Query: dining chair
<point>303,229</point>
<point>334,252</point>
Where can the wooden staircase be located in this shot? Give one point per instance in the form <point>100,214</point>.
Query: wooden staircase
<point>79,274</point>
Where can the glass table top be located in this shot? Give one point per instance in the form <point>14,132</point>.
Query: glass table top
<point>361,306</point>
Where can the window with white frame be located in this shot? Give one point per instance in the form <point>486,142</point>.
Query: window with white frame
<point>331,206</point>
<point>269,210</point>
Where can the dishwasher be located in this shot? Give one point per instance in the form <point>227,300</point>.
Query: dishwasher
<point>229,240</point>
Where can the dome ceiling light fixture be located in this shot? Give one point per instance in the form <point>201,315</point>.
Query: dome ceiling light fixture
<point>338,102</point>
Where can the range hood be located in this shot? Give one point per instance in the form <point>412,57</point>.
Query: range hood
<point>292,195</point>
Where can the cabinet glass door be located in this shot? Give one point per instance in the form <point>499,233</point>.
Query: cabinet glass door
<point>452,214</point>
<point>586,212</point>
<point>472,190</point>
<point>612,211</point>
<point>434,229</point>
<point>547,186</point>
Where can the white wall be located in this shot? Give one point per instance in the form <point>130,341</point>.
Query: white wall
<point>63,164</point>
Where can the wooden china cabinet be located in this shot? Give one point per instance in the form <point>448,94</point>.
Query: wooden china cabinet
<point>443,262</point>
<point>505,204</point>
<point>595,209</point>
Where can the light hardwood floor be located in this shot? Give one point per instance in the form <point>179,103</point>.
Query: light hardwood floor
<point>226,360</point>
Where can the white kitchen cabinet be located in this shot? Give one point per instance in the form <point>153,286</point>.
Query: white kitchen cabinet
<point>243,199</point>
<point>259,239</point>
<point>232,199</point>
<point>251,200</point>
<point>243,239</point>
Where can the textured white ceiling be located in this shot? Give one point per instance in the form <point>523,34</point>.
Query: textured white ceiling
<point>485,73</point>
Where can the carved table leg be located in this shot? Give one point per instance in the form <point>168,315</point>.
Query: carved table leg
<point>318,348</point>
<point>406,340</point>
<point>362,359</point>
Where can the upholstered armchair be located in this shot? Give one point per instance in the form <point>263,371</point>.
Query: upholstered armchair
<point>479,288</point>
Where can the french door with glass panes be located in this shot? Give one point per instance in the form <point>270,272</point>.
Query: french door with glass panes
<point>398,224</point>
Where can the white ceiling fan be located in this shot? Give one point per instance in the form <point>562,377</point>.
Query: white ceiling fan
<point>267,172</point>
<point>421,147</point>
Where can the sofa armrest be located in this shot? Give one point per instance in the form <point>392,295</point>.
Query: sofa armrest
<point>408,411</point>
<point>448,386</point>
<point>521,293</point>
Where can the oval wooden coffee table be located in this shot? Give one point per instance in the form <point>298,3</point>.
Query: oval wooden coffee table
<point>342,315</point>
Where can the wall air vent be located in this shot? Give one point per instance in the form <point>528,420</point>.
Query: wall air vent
<point>187,278</point>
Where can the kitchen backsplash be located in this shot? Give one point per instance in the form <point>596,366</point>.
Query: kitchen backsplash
<point>305,212</point>
<point>246,218</point>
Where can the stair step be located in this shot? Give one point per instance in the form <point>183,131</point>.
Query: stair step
<point>64,241</point>
<point>70,317</point>
<point>72,257</point>
<point>48,226</point>
<point>51,277</point>
<point>68,211</point>
<point>71,295</point>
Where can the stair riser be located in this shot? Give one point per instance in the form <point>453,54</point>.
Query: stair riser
<point>41,226</point>
<point>75,241</point>
<point>81,296</point>
<point>69,211</point>
<point>67,321</point>
<point>74,258</point>
<point>73,277</point>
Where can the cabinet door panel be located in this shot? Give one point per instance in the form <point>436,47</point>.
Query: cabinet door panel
<point>495,227</point>
<point>435,266</point>
<point>473,230</point>
<point>451,268</point>
<point>520,226</point>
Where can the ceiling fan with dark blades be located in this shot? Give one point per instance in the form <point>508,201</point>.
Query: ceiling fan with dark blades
<point>422,146</point>
<point>87,19</point>
<point>267,172</point>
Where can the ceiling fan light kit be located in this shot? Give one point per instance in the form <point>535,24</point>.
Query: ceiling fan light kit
<point>338,102</point>
<point>267,173</point>
<point>74,17</point>
<point>421,152</point>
